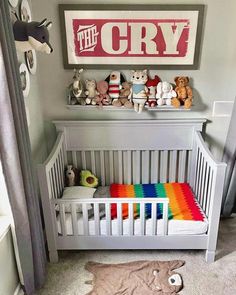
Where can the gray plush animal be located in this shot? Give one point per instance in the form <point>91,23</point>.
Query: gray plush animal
<point>32,35</point>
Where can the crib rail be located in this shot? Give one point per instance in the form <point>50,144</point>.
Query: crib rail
<point>61,204</point>
<point>206,173</point>
<point>51,173</point>
<point>133,166</point>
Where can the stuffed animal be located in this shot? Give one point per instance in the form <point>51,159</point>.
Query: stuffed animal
<point>139,91</point>
<point>165,93</point>
<point>151,85</point>
<point>102,98</point>
<point>137,277</point>
<point>115,79</point>
<point>75,89</point>
<point>32,35</point>
<point>88,179</point>
<point>184,93</point>
<point>90,91</point>
<point>71,176</point>
<point>123,99</point>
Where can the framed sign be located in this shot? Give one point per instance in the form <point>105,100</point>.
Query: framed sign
<point>125,36</point>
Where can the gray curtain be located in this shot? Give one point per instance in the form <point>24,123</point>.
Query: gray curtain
<point>229,156</point>
<point>15,154</point>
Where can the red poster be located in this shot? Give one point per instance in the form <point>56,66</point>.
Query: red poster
<point>123,37</point>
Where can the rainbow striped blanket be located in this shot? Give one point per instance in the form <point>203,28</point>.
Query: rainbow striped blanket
<point>182,204</point>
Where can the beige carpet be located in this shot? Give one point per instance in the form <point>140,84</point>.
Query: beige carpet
<point>219,278</point>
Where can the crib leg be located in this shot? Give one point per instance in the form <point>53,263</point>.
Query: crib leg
<point>53,256</point>
<point>210,256</point>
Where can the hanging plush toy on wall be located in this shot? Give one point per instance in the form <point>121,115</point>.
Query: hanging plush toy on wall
<point>32,35</point>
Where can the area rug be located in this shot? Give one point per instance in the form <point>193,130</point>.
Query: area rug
<point>136,278</point>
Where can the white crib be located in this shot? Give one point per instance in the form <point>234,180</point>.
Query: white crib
<point>131,152</point>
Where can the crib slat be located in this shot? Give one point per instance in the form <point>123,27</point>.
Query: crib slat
<point>189,156</point>
<point>59,171</point>
<point>200,178</point>
<point>96,219</point>
<point>55,171</point>
<point>108,219</point>
<point>173,166</point>
<point>111,164</point>
<point>119,219</point>
<point>136,167</point>
<point>74,220</point>
<point>49,178</point>
<point>145,166</point>
<point>53,188</point>
<point>209,192</point>
<point>142,219</point>
<point>102,163</point>
<point>198,173</point>
<point>120,175</point>
<point>93,163</point>
<point>74,159</point>
<point>131,219</point>
<point>154,166</point>
<point>62,219</point>
<point>83,159</point>
<point>182,165</point>
<point>165,218</point>
<point>203,184</point>
<point>85,219</point>
<point>206,186</point>
<point>164,166</point>
<point>127,167</point>
<point>154,219</point>
<point>61,168</point>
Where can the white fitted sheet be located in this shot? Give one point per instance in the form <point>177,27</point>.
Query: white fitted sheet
<point>175,227</point>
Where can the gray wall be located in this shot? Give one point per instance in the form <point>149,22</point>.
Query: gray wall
<point>215,79</point>
<point>34,104</point>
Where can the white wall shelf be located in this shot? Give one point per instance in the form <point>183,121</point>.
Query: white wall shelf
<point>112,108</point>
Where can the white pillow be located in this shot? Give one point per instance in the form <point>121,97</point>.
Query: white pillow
<point>78,192</point>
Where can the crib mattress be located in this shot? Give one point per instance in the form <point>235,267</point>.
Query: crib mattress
<point>175,227</point>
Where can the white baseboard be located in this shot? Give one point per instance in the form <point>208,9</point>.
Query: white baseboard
<point>18,290</point>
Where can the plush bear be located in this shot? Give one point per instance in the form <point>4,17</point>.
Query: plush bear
<point>123,99</point>
<point>102,98</point>
<point>184,93</point>
<point>139,91</point>
<point>90,92</point>
<point>71,176</point>
<point>165,93</point>
<point>88,179</point>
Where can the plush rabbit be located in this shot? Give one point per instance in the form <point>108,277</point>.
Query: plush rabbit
<point>71,175</point>
<point>165,93</point>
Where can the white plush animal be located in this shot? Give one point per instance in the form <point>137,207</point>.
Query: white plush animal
<point>139,91</point>
<point>90,92</point>
<point>70,176</point>
<point>165,93</point>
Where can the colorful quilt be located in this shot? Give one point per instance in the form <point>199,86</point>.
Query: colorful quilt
<point>182,204</point>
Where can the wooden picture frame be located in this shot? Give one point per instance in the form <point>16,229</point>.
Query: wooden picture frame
<point>131,36</point>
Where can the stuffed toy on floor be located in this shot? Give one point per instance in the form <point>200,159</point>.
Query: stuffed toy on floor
<point>136,278</point>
